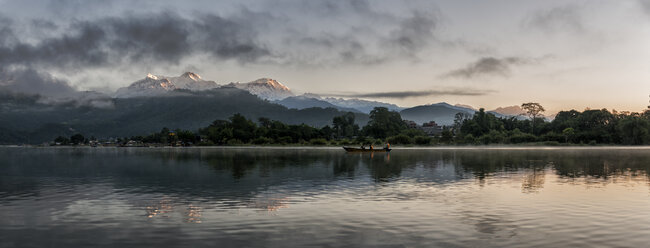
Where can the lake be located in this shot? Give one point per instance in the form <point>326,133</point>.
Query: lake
<point>323,197</point>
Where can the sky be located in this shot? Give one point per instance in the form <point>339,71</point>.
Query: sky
<point>563,54</point>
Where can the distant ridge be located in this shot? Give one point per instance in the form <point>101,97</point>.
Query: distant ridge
<point>442,113</point>
<point>363,106</point>
<point>310,101</point>
<point>513,110</point>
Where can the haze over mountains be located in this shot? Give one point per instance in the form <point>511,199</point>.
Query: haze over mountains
<point>189,102</point>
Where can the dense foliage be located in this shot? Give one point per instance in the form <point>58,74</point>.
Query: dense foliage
<point>571,127</point>
<point>568,127</point>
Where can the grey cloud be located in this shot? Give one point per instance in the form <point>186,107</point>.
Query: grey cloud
<point>414,32</point>
<point>406,37</point>
<point>74,7</point>
<point>7,35</point>
<point>29,81</point>
<point>39,87</point>
<point>44,24</point>
<point>371,33</point>
<point>423,93</point>
<point>560,19</point>
<point>232,38</point>
<point>328,49</point>
<point>489,66</point>
<point>166,38</point>
<point>79,48</point>
<point>162,38</point>
<point>329,8</point>
<point>645,5</point>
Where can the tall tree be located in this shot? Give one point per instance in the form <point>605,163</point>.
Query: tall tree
<point>459,118</point>
<point>533,110</point>
<point>384,123</point>
<point>77,139</point>
<point>344,125</point>
<point>242,129</point>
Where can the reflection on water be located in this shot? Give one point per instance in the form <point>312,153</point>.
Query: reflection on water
<point>160,209</point>
<point>533,181</point>
<point>324,197</point>
<point>193,214</point>
<point>270,204</point>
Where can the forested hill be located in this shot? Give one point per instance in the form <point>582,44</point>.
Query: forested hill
<point>27,120</point>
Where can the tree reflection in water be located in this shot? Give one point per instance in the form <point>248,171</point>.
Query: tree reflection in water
<point>229,174</point>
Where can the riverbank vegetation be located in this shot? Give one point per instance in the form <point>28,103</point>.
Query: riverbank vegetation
<point>589,127</point>
<point>568,127</point>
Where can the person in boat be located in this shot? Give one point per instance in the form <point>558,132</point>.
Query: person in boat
<point>371,147</point>
<point>387,145</point>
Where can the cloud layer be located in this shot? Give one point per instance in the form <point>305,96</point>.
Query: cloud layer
<point>423,93</point>
<point>245,36</point>
<point>558,19</point>
<point>489,66</point>
<point>154,38</point>
<point>30,81</point>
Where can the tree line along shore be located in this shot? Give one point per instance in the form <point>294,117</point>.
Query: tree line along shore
<point>589,127</point>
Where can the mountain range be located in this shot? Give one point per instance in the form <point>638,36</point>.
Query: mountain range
<point>265,88</point>
<point>187,102</point>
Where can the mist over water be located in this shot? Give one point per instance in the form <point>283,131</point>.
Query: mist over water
<point>279,197</point>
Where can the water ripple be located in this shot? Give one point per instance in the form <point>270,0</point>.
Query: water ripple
<point>241,197</point>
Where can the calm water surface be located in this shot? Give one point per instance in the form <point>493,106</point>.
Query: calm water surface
<point>247,197</point>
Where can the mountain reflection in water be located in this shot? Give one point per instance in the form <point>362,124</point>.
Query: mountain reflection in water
<point>323,197</point>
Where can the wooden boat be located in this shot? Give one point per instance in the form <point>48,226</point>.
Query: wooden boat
<point>355,149</point>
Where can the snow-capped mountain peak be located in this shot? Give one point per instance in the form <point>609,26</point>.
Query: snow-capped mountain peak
<point>153,85</point>
<point>191,75</point>
<point>265,88</point>
<point>151,76</point>
<point>192,81</point>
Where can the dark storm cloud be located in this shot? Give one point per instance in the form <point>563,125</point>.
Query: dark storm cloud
<point>29,81</point>
<point>81,48</point>
<point>43,88</point>
<point>489,66</point>
<point>422,93</point>
<point>166,38</point>
<point>231,38</point>
<point>163,38</point>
